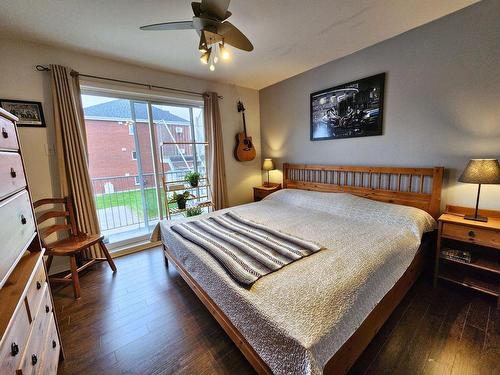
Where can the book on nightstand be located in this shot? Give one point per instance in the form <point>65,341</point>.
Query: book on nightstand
<point>463,256</point>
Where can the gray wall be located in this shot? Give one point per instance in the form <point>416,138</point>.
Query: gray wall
<point>442,103</point>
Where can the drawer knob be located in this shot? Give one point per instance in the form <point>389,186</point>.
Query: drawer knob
<point>472,233</point>
<point>47,309</point>
<point>13,173</point>
<point>23,220</point>
<point>54,344</point>
<point>14,349</point>
<point>34,359</point>
<point>38,285</point>
<point>4,133</point>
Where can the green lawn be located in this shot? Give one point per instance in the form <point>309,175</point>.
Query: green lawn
<point>131,199</point>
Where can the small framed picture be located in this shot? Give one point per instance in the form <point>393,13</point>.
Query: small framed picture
<point>30,114</point>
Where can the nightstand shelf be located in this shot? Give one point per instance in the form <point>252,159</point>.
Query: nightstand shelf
<point>471,282</point>
<point>480,240</point>
<point>479,264</point>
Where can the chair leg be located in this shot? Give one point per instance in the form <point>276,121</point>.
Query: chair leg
<point>48,263</point>
<point>108,257</point>
<point>74,276</point>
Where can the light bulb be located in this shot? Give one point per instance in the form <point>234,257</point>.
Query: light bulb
<point>205,56</point>
<point>216,59</point>
<point>224,53</point>
<point>212,67</point>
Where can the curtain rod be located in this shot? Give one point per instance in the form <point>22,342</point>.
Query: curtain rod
<point>74,73</point>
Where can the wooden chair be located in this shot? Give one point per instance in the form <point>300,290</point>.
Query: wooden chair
<point>73,245</point>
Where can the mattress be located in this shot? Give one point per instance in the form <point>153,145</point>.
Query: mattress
<point>298,317</point>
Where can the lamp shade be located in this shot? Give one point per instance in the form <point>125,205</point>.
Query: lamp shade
<point>268,165</point>
<point>481,171</point>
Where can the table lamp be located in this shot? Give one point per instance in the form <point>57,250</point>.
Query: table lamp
<point>480,171</point>
<point>268,165</point>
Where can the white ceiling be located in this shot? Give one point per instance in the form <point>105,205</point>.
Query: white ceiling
<point>290,36</point>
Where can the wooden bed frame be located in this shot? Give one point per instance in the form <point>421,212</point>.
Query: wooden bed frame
<point>417,187</point>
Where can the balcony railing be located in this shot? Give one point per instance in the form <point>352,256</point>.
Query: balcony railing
<point>122,205</point>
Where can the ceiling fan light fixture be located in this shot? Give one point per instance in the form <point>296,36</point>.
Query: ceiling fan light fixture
<point>212,67</point>
<point>205,56</point>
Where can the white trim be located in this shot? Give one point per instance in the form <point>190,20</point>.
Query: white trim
<point>107,89</point>
<point>121,251</point>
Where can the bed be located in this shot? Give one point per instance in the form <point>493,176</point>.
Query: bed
<point>318,314</point>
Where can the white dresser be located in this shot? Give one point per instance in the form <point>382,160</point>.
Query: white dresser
<point>29,337</point>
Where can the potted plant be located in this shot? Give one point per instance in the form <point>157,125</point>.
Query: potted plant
<point>180,199</point>
<point>193,211</point>
<point>193,178</point>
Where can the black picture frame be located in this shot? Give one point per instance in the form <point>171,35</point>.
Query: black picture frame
<point>353,109</point>
<point>30,113</point>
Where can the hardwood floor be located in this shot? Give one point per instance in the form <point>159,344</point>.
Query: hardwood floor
<point>145,320</point>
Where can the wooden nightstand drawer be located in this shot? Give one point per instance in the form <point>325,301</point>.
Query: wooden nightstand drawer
<point>479,236</point>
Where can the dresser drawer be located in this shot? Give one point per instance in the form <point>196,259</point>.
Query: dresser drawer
<point>36,290</point>
<point>33,355</point>
<point>8,138</point>
<point>14,341</point>
<point>51,350</point>
<point>11,173</point>
<point>17,227</point>
<point>479,236</point>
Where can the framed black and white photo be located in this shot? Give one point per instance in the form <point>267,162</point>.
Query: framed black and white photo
<point>29,113</point>
<point>354,109</point>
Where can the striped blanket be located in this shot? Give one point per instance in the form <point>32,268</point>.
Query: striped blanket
<point>247,250</point>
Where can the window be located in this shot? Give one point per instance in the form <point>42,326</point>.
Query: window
<point>122,168</point>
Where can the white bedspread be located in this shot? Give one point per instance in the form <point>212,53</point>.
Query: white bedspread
<point>298,317</point>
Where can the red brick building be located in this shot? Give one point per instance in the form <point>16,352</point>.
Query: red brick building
<point>115,151</point>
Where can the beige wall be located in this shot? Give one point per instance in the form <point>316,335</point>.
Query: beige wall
<point>442,103</point>
<point>19,80</point>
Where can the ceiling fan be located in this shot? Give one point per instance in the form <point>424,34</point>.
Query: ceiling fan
<point>210,22</point>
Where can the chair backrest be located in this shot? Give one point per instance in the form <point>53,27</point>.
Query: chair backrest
<point>67,213</point>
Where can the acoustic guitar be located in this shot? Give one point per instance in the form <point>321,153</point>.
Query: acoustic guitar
<point>244,151</point>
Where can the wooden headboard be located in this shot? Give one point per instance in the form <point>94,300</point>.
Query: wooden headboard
<point>417,187</point>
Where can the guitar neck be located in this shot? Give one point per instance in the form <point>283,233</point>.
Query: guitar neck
<point>244,124</point>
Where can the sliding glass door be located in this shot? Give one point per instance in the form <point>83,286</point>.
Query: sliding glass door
<point>123,140</point>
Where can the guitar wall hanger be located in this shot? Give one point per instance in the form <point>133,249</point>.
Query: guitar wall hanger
<point>244,150</point>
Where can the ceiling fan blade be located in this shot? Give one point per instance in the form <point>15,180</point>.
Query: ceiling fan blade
<point>217,8</point>
<point>233,36</point>
<point>181,25</point>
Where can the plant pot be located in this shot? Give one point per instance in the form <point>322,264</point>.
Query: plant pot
<point>193,183</point>
<point>181,204</point>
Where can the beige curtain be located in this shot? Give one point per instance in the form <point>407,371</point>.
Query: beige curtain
<point>71,150</point>
<point>215,157</point>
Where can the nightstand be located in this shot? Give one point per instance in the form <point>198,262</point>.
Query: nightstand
<point>260,192</point>
<point>468,252</point>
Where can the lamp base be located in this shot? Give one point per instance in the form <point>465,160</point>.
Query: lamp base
<point>476,218</point>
